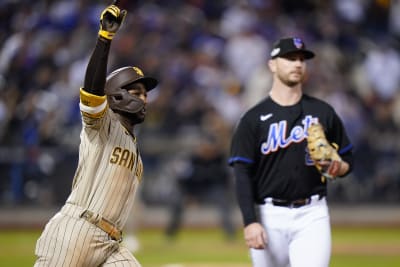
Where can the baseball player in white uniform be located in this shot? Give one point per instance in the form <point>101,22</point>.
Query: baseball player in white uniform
<point>87,230</point>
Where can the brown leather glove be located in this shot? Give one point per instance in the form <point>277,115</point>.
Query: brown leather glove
<point>324,155</point>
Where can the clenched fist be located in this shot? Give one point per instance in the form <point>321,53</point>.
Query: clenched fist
<point>110,20</point>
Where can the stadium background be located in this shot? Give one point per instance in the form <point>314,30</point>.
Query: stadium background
<point>210,59</point>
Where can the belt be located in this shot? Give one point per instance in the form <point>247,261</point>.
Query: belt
<point>103,224</point>
<point>294,203</point>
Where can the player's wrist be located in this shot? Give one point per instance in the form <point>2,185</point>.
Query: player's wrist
<point>106,35</point>
<point>104,40</point>
<point>344,167</point>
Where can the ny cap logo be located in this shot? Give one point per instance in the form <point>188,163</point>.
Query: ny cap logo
<point>298,43</point>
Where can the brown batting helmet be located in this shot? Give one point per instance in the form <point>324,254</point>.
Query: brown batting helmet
<point>117,84</point>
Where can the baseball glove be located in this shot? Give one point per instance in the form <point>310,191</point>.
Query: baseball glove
<point>324,155</point>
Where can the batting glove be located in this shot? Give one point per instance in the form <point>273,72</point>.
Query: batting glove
<point>110,20</point>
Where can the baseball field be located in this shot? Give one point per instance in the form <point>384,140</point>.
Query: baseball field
<point>352,247</point>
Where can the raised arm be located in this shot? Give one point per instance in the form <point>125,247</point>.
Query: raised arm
<point>110,21</point>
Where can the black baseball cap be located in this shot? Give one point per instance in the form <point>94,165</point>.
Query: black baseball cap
<point>289,45</point>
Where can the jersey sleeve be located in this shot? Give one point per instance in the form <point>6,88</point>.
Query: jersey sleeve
<point>242,159</point>
<point>338,137</point>
<point>93,108</point>
<point>243,143</point>
<point>245,193</point>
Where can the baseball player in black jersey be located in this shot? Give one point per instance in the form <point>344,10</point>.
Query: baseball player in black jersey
<point>280,191</point>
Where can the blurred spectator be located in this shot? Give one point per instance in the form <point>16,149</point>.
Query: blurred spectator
<point>210,59</point>
<point>245,49</point>
<point>204,179</point>
<point>381,67</point>
<point>394,18</point>
<point>383,140</point>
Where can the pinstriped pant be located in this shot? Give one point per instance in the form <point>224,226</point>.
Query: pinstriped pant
<point>68,240</point>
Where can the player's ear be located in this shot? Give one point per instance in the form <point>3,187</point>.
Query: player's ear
<point>272,65</point>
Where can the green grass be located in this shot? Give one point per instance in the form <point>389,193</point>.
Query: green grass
<point>373,235</point>
<point>352,247</point>
<point>365,261</point>
<point>17,248</point>
<point>191,246</point>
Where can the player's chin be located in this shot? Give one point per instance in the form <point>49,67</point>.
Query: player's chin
<point>134,118</point>
<point>296,78</point>
<point>139,116</point>
<point>293,82</point>
<point>141,113</point>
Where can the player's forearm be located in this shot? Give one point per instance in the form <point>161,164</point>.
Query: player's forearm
<point>246,206</point>
<point>244,194</point>
<point>346,164</point>
<point>110,21</point>
<point>96,71</point>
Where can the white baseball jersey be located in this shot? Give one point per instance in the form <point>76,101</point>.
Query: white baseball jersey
<point>107,177</point>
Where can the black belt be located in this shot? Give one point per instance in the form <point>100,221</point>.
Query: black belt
<point>293,203</point>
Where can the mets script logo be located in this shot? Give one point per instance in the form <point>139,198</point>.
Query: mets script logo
<point>278,138</point>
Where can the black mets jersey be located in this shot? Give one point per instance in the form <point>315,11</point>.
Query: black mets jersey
<point>270,140</point>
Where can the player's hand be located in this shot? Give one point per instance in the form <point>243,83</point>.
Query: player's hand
<point>331,169</point>
<point>255,236</point>
<point>110,21</point>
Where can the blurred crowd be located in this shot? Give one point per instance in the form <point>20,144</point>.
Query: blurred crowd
<point>210,58</point>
